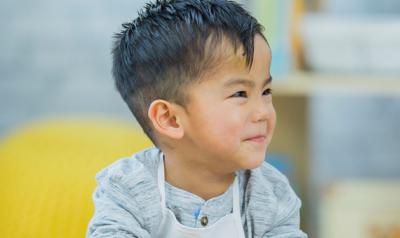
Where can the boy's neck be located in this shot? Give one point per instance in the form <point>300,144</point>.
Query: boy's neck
<point>196,179</point>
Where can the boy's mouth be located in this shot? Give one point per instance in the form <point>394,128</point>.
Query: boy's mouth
<point>259,139</point>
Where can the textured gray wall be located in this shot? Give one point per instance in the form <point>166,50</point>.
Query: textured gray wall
<point>55,58</point>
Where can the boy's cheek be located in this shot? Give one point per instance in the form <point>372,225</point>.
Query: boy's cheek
<point>224,135</point>
<point>271,123</point>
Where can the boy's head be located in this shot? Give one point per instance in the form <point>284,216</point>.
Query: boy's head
<point>174,44</point>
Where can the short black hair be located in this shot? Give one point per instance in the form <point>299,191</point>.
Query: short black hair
<point>171,44</point>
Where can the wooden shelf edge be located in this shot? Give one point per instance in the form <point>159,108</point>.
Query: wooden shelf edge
<point>308,84</point>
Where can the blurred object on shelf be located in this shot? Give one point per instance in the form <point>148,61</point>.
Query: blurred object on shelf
<point>277,18</point>
<point>312,5</point>
<point>361,209</point>
<point>352,44</point>
<point>362,7</point>
<point>298,55</point>
<point>386,232</point>
<point>281,162</point>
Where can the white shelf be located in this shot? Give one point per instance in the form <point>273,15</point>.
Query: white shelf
<point>308,84</point>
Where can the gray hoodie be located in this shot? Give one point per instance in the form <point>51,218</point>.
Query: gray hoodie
<point>127,201</point>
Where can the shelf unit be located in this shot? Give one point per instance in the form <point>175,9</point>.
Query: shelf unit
<point>292,96</point>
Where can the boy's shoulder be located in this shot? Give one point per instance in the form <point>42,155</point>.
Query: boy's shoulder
<point>131,174</point>
<point>131,183</point>
<point>272,204</point>
<point>267,175</point>
<point>269,190</point>
<point>142,161</point>
<point>270,175</point>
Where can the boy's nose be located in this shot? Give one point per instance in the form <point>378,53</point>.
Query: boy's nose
<point>261,111</point>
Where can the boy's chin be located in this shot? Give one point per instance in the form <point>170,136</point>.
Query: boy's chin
<point>252,163</point>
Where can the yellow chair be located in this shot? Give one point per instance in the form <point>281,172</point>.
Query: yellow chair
<point>47,174</point>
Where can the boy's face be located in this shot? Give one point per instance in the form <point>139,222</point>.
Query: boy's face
<point>230,119</point>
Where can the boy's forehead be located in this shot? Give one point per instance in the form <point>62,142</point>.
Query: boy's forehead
<point>226,53</point>
<point>246,82</point>
<point>233,63</point>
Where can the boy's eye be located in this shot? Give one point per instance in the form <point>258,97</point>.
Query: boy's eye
<point>267,91</point>
<point>240,94</point>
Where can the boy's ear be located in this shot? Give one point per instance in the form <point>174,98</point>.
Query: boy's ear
<point>165,119</point>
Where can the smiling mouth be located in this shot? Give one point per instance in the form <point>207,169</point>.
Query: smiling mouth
<point>257,139</point>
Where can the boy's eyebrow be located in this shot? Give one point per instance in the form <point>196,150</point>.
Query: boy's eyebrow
<point>245,82</point>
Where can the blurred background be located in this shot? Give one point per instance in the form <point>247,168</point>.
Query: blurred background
<point>336,68</point>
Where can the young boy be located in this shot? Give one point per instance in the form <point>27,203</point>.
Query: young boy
<point>195,74</point>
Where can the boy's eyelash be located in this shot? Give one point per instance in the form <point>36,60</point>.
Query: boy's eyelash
<point>240,94</point>
<point>267,91</point>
